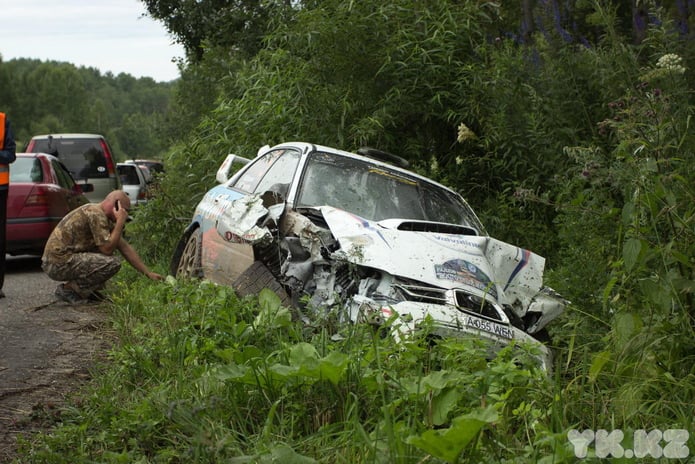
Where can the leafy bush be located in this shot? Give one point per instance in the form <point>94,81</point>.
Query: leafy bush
<point>628,221</point>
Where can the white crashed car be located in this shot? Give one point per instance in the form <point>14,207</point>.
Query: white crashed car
<point>330,230</point>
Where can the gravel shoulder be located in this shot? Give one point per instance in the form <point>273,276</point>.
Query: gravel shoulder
<point>47,349</point>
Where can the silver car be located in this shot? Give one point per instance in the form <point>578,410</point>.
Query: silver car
<point>134,182</point>
<point>88,157</point>
<point>355,234</point>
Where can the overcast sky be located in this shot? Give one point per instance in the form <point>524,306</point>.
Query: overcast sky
<point>110,35</point>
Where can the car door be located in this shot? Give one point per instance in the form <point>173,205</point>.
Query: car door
<point>225,258</point>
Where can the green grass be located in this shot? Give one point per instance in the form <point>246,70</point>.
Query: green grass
<point>200,375</point>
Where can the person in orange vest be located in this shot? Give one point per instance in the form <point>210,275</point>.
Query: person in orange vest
<point>8,154</point>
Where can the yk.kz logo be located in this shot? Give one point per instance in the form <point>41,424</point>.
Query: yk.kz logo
<point>643,443</point>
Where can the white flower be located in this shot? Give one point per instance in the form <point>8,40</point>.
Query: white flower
<point>464,133</point>
<point>671,62</point>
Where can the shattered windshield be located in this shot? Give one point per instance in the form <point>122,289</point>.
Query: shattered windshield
<point>376,192</point>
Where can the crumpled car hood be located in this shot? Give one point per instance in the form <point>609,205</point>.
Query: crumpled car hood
<point>483,264</point>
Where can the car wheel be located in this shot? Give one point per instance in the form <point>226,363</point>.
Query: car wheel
<point>256,278</point>
<point>189,264</point>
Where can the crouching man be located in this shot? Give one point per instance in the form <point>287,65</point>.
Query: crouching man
<point>80,250</point>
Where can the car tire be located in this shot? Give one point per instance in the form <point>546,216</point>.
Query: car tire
<point>187,259</point>
<point>256,278</point>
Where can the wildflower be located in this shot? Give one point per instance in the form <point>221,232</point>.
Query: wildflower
<point>464,133</point>
<point>604,126</point>
<point>523,193</point>
<point>671,62</point>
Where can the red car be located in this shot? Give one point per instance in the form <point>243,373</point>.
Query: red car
<point>42,191</point>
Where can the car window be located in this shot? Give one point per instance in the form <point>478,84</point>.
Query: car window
<point>376,192</point>
<point>280,175</point>
<point>128,175</point>
<point>26,170</point>
<point>263,173</point>
<point>154,166</point>
<point>337,181</point>
<point>84,158</point>
<point>64,179</point>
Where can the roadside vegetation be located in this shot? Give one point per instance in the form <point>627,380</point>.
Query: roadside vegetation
<point>568,129</point>
<point>201,376</point>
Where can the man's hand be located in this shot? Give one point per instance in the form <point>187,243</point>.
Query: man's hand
<point>154,276</point>
<point>120,213</point>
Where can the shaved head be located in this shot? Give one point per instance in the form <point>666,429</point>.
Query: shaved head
<point>118,195</point>
<point>108,204</point>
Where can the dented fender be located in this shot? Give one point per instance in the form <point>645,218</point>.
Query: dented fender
<point>239,221</point>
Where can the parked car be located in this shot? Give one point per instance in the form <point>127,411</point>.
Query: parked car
<point>330,230</point>
<point>133,183</point>
<point>41,193</point>
<point>152,165</point>
<point>88,157</point>
<point>145,172</point>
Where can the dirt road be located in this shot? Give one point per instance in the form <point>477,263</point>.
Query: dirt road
<point>46,351</point>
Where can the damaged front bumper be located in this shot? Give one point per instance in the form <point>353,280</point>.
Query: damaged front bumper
<point>408,319</point>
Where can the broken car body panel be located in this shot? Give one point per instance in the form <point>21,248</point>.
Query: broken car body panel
<point>385,243</point>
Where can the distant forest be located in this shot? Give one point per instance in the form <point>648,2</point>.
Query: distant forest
<point>43,97</point>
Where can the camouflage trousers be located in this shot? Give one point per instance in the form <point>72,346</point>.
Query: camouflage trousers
<point>88,271</point>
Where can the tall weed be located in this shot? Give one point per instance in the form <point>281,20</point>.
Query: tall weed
<point>630,213</point>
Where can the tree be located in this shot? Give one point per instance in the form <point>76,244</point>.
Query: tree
<point>238,25</point>
<point>51,96</point>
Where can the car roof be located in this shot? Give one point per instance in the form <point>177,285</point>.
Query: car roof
<point>37,155</point>
<point>69,136</point>
<point>306,147</point>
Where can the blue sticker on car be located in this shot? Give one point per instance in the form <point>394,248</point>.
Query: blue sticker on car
<point>465,272</point>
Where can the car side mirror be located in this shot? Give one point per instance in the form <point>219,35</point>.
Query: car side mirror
<point>85,188</point>
<point>222,175</point>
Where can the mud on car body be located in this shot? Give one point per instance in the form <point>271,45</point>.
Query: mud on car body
<point>330,230</point>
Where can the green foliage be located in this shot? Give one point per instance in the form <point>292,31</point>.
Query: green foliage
<point>628,224</point>
<point>238,25</point>
<point>403,78</point>
<point>582,154</point>
<point>202,376</point>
